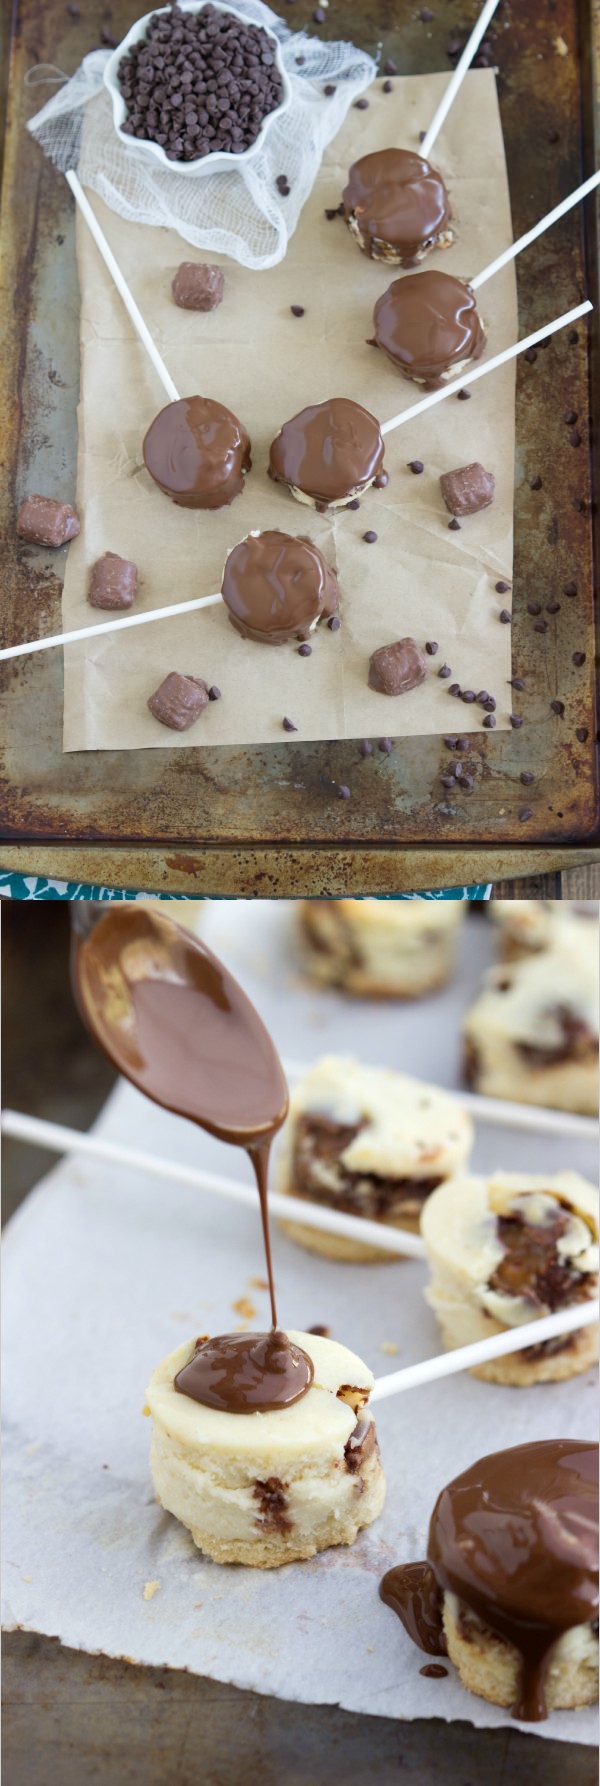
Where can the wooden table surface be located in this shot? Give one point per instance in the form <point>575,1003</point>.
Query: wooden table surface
<point>71,1718</point>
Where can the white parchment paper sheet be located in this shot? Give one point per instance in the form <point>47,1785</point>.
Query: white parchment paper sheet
<point>105,1273</point>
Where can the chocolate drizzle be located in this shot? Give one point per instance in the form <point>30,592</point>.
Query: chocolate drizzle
<point>515,1538</point>
<point>277,587</point>
<point>329,451</point>
<point>246,1373</point>
<point>396,200</point>
<point>427,324</point>
<point>197,452</point>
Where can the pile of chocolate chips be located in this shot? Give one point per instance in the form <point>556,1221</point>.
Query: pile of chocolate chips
<point>199,82</point>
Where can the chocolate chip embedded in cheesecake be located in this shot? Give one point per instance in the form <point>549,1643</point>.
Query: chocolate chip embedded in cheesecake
<point>370,1142</point>
<point>509,1249</point>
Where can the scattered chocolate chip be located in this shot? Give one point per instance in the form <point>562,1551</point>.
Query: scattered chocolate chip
<point>527,776</point>
<point>501,587</point>
<point>329,89</point>
<point>354,504</point>
<point>444,672</point>
<point>535,483</point>
<point>525,814</point>
<point>530,355</point>
<point>343,792</point>
<point>361,105</point>
<point>319,15</point>
<point>381,481</point>
<point>540,626</point>
<point>489,704</point>
<point>416,466</point>
<point>453,46</point>
<point>573,337</point>
<point>389,66</point>
<point>214,693</point>
<point>385,744</point>
<point>463,396</point>
<point>305,650</point>
<point>60,240</point>
<point>300,61</point>
<point>450,743</point>
<point>489,721</point>
<point>516,721</point>
<point>454,688</point>
<point>431,647</point>
<point>579,658</point>
<point>334,623</point>
<point>387,87</point>
<point>370,537</point>
<point>108,38</point>
<point>282,185</point>
<point>570,589</point>
<point>297,309</point>
<point>575,438</point>
<point>582,734</point>
<point>578,504</point>
<point>570,417</point>
<point>534,607</point>
<point>448,781</point>
<point>516,682</point>
<point>505,617</point>
<point>288,726</point>
<point>553,607</point>
<point>366,748</point>
<point>454,525</point>
<point>558,707</point>
<point>332,211</point>
<point>468,695</point>
<point>467,783</point>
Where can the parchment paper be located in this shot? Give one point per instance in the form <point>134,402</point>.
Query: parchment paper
<point>253,355</point>
<point>105,1273</point>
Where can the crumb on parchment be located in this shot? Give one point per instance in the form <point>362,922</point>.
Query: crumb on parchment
<point>150,1589</point>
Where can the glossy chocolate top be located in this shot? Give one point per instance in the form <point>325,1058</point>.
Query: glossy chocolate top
<point>328,450</point>
<point>277,587</point>
<point>197,451</point>
<point>427,323</point>
<point>247,1373</point>
<point>516,1539</point>
<point>397,198</point>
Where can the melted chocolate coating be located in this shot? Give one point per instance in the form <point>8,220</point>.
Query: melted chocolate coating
<point>178,1025</point>
<point>398,200</point>
<point>428,323</point>
<point>197,452</point>
<point>516,1539</point>
<point>247,1373</point>
<point>413,1593</point>
<point>276,587</point>
<point>329,451</point>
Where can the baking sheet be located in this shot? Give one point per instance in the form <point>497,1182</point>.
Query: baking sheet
<point>252,354</point>
<point>104,1273</point>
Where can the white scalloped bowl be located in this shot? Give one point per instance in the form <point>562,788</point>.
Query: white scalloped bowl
<point>218,158</point>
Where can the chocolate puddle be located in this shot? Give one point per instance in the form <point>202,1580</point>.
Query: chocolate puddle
<point>180,1028</point>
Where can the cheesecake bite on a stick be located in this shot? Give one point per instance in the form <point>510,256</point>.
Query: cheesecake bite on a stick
<point>370,1141</point>
<point>532,1034</point>
<point>429,326</point>
<point>509,1588</point>
<point>505,1250</point>
<point>380,948</point>
<point>328,454</point>
<point>198,453</point>
<point>264,1447</point>
<point>277,588</point>
<point>397,207</point>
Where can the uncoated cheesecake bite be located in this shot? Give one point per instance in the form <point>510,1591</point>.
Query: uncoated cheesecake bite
<point>380,948</point>
<point>267,1487</point>
<point>532,1035</point>
<point>370,1142</point>
<point>510,1249</point>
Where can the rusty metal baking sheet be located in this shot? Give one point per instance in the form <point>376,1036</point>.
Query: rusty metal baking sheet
<point>282,796</point>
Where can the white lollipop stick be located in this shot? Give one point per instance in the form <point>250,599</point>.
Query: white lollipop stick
<point>122,286</point>
<point>538,230</point>
<point>470,377</point>
<point>463,1358</point>
<point>110,626</point>
<point>60,1139</point>
<point>470,49</point>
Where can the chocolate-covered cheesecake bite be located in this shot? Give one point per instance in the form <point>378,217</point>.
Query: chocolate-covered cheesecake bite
<point>397,207</point>
<point>395,669</point>
<point>429,326</point>
<point>509,1589</point>
<point>328,453</point>
<point>198,453</point>
<point>277,587</point>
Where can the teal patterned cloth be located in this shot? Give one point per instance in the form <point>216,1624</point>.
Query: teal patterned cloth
<point>36,886</point>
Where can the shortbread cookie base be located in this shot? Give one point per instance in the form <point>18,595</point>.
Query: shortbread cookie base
<point>570,1085</point>
<point>490,1667</point>
<point>337,1246</point>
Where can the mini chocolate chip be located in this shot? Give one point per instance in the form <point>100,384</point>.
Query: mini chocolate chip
<point>319,15</point>
<point>575,438</point>
<point>553,607</point>
<point>534,607</point>
<point>516,682</point>
<point>288,726</point>
<point>454,525</point>
<point>535,483</point>
<point>489,704</point>
<point>463,744</point>
<point>516,721</point>
<point>361,105</point>
<point>450,743</point>
<point>329,89</point>
<point>282,185</point>
<point>366,748</point>
<point>570,417</point>
<point>579,658</point>
<point>570,589</point>
<point>467,783</point>
<point>389,66</point>
<point>483,696</point>
<point>502,587</point>
<point>489,721</point>
<point>447,781</point>
<point>527,776</point>
<point>297,309</point>
<point>463,396</point>
<point>342,791</point>
<point>558,707</point>
<point>334,623</point>
<point>416,466</point>
<point>108,38</point>
<point>331,211</point>
<point>305,650</point>
<point>431,646</point>
<point>385,744</point>
<point>582,734</point>
<point>540,626</point>
<point>468,695</point>
<point>454,688</point>
<point>387,87</point>
<point>530,355</point>
<point>578,504</point>
<point>354,504</point>
<point>525,814</point>
<point>370,537</point>
<point>504,616</point>
<point>444,672</point>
